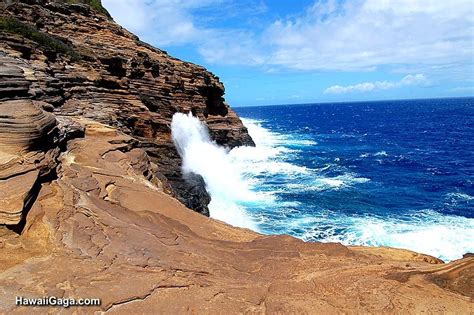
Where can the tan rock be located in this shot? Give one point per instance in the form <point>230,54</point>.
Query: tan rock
<point>107,75</point>
<point>15,193</point>
<point>23,126</point>
<point>26,133</point>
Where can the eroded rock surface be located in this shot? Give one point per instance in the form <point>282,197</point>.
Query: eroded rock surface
<point>106,229</point>
<point>29,140</point>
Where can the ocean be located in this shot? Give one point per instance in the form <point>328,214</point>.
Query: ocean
<point>386,173</point>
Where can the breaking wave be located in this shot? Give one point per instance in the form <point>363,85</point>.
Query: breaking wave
<point>223,181</point>
<point>264,189</point>
<point>444,236</point>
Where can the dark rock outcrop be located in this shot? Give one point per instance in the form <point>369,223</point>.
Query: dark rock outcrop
<point>74,61</point>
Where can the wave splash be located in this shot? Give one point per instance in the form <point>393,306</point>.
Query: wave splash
<point>238,179</point>
<point>224,182</point>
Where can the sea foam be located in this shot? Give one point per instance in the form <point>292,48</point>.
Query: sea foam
<point>223,181</point>
<point>444,236</point>
<point>233,177</point>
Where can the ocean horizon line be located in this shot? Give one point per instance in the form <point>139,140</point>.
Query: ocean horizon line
<point>355,102</point>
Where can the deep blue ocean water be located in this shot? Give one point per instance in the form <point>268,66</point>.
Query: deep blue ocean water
<point>393,173</point>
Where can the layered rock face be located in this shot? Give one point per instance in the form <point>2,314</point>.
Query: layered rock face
<point>92,203</point>
<point>22,127</point>
<point>28,142</point>
<point>76,61</point>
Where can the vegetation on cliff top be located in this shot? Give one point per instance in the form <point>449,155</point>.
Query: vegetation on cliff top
<point>47,42</point>
<point>96,5</point>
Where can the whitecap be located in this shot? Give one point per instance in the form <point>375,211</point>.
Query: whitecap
<point>332,182</point>
<point>428,232</point>
<point>460,196</point>
<point>267,138</point>
<point>327,183</point>
<point>301,142</point>
<point>381,153</point>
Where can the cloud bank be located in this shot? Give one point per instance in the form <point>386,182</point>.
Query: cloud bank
<point>363,35</point>
<point>409,80</point>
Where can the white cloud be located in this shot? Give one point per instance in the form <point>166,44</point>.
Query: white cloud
<point>162,22</point>
<point>416,79</point>
<point>409,80</point>
<point>167,23</point>
<point>462,89</point>
<point>230,48</point>
<point>362,35</point>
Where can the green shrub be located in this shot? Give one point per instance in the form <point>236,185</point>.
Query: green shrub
<point>47,42</point>
<point>96,5</point>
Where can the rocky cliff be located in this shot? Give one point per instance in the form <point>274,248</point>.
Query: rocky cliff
<point>93,204</point>
<point>74,61</point>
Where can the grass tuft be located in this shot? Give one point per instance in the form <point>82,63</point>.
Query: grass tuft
<point>47,42</point>
<point>96,5</point>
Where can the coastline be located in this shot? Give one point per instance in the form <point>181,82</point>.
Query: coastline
<point>137,257</point>
<point>324,182</point>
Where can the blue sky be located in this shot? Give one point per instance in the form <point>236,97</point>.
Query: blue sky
<point>309,51</point>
